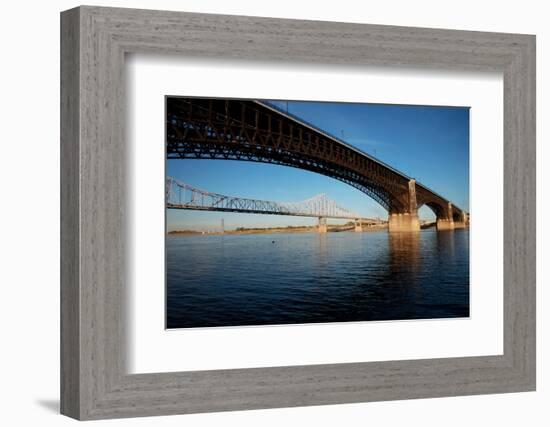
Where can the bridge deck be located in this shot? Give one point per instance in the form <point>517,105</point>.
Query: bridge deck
<point>262,212</point>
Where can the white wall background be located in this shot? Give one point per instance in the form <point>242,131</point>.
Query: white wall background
<point>29,212</point>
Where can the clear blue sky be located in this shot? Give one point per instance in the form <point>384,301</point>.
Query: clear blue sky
<point>430,144</point>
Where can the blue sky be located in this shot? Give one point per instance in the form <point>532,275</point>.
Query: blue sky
<point>430,144</point>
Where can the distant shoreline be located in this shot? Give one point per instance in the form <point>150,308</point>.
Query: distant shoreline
<point>273,230</point>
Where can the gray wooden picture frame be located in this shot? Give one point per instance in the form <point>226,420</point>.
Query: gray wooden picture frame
<point>94,381</point>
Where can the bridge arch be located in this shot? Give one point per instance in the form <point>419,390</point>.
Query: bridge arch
<point>436,208</point>
<point>251,131</point>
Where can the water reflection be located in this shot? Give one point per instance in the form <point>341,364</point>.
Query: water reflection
<point>404,251</point>
<point>322,248</point>
<point>446,243</point>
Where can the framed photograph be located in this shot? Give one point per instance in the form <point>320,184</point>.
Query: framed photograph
<point>262,213</point>
<point>238,261</point>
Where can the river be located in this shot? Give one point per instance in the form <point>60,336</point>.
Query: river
<point>266,279</point>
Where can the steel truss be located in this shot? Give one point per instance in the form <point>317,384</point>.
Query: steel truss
<point>180,195</point>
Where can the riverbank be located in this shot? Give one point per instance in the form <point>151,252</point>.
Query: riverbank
<point>274,230</point>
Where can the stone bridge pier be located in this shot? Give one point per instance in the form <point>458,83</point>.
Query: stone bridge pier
<point>322,225</point>
<point>461,220</point>
<point>358,226</point>
<point>447,222</point>
<point>408,220</point>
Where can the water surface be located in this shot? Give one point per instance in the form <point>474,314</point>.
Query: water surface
<point>259,279</point>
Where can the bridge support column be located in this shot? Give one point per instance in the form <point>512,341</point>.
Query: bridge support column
<point>322,227</point>
<point>358,226</point>
<point>463,221</point>
<point>403,222</point>
<point>446,223</point>
<point>407,221</point>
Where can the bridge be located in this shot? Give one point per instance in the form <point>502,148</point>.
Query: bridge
<point>180,195</point>
<point>255,131</point>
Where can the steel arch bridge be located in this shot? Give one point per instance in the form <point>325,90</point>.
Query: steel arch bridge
<point>247,130</point>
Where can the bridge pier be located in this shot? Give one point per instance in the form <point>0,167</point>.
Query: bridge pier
<point>322,225</point>
<point>463,221</point>
<point>358,226</point>
<point>448,222</point>
<point>445,224</point>
<point>406,221</point>
<point>403,222</point>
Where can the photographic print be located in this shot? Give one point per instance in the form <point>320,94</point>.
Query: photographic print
<point>291,212</point>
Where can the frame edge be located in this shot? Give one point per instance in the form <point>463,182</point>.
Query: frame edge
<point>70,387</point>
